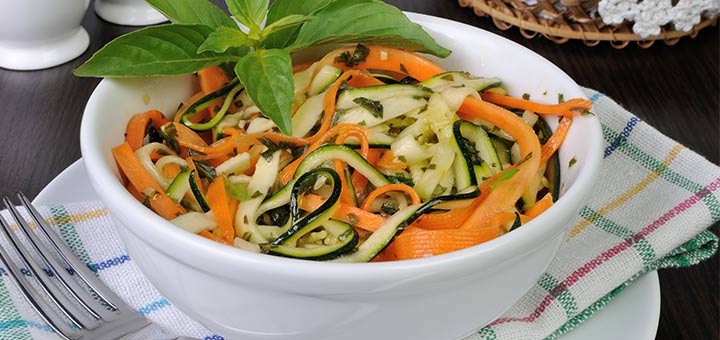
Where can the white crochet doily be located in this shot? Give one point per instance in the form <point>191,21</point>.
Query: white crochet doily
<point>649,15</point>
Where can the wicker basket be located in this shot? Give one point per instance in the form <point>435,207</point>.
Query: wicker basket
<point>574,22</point>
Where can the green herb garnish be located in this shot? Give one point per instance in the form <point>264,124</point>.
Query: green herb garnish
<point>203,35</point>
<point>373,106</point>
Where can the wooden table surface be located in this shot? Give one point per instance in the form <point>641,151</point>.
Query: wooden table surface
<point>673,88</point>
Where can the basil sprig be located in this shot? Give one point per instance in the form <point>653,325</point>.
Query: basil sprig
<point>202,35</point>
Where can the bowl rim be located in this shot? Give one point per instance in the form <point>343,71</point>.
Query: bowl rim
<point>484,255</point>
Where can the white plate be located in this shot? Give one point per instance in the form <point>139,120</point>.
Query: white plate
<point>634,315</point>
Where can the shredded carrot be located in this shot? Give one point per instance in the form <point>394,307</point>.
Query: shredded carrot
<point>186,104</point>
<point>144,183</point>
<point>540,206</point>
<point>210,236</point>
<point>171,170</point>
<point>388,59</point>
<point>568,108</point>
<point>558,137</point>
<point>414,242</point>
<point>345,195</point>
<point>388,161</point>
<point>404,188</point>
<point>220,207</point>
<point>347,213</point>
<point>138,124</point>
<point>503,197</point>
<point>212,79</point>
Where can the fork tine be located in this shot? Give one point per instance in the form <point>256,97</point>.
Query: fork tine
<point>78,292</point>
<point>124,320</point>
<point>55,295</point>
<point>50,316</point>
<point>73,262</point>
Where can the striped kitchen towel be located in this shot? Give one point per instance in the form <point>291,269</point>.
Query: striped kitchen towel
<point>654,200</point>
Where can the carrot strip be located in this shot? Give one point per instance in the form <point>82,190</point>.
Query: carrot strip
<point>186,104</point>
<point>388,59</point>
<point>137,127</point>
<point>210,236</point>
<point>388,161</point>
<point>345,195</point>
<point>212,79</point>
<point>503,197</point>
<point>414,242</point>
<point>171,170</point>
<point>144,183</point>
<point>408,190</point>
<point>347,213</point>
<point>540,206</point>
<point>329,103</point>
<point>558,137</point>
<point>220,207</point>
<point>568,108</point>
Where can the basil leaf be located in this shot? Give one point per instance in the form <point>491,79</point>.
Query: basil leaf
<point>288,21</point>
<point>169,49</point>
<point>248,12</point>
<point>224,38</point>
<point>268,78</point>
<point>365,21</point>
<point>283,8</point>
<point>193,12</point>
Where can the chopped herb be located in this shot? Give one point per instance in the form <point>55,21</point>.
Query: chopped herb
<point>256,194</point>
<point>448,77</point>
<point>432,166</point>
<point>389,208</point>
<point>504,176</point>
<point>344,86</point>
<point>526,96</point>
<point>561,98</point>
<point>206,171</point>
<point>572,162</point>
<point>358,56</point>
<point>373,106</point>
<point>545,93</point>
<point>169,133</point>
<point>401,179</point>
<point>238,103</point>
<point>362,123</point>
<point>402,158</point>
<point>586,113</point>
<point>237,191</point>
<point>153,134</point>
<point>403,69</point>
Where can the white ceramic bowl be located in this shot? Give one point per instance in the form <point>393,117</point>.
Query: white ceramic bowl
<point>244,295</point>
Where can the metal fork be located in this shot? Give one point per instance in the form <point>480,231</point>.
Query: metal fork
<point>73,311</point>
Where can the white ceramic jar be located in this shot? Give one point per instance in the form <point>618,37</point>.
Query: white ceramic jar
<point>128,12</point>
<point>37,34</point>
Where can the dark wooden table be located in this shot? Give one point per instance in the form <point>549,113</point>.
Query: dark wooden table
<point>675,89</point>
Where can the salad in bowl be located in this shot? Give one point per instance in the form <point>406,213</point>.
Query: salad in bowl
<point>248,166</point>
